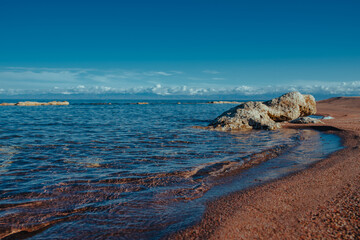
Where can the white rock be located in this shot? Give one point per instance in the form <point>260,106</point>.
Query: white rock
<point>265,115</point>
<point>291,106</point>
<point>248,115</point>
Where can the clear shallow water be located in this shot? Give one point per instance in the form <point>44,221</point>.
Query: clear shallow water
<point>131,171</point>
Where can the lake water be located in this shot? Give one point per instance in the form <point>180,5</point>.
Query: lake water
<point>128,171</point>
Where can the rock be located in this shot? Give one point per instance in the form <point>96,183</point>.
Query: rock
<point>7,104</point>
<point>28,103</point>
<point>291,106</point>
<point>141,103</point>
<point>248,115</point>
<point>306,120</point>
<point>223,102</point>
<point>265,115</point>
<point>58,103</point>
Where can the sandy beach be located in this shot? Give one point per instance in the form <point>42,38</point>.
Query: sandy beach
<point>321,202</point>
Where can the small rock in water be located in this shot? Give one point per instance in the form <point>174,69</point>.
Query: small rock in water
<point>305,120</point>
<point>223,102</point>
<point>28,103</point>
<point>7,104</point>
<point>266,115</point>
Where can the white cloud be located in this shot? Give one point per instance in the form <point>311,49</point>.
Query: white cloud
<point>153,73</point>
<point>211,71</point>
<point>38,76</point>
<point>350,88</point>
<point>31,78</point>
<point>177,72</point>
<point>48,69</point>
<point>14,81</point>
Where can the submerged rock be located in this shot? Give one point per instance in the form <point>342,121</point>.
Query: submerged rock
<point>224,102</point>
<point>305,120</point>
<point>7,104</point>
<point>28,103</point>
<point>265,115</point>
<point>141,103</point>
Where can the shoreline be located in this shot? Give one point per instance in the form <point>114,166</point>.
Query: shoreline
<point>319,202</point>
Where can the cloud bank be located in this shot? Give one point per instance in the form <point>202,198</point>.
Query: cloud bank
<point>239,92</point>
<point>88,83</point>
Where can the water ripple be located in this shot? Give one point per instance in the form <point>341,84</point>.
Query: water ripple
<point>119,170</point>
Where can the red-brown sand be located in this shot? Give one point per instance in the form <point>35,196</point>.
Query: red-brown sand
<point>321,202</point>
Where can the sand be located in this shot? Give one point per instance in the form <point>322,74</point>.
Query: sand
<point>321,202</point>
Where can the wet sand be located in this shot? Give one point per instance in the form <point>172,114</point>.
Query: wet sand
<point>321,202</point>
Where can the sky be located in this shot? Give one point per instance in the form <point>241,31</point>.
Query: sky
<point>199,49</point>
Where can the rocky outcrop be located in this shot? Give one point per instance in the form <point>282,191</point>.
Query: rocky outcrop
<point>306,120</point>
<point>248,115</point>
<point>266,115</point>
<point>28,103</point>
<point>291,106</point>
<point>223,102</point>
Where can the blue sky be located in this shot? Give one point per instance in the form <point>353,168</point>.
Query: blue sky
<point>179,47</point>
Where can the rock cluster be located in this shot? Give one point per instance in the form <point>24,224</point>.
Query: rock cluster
<point>266,115</point>
<point>28,103</point>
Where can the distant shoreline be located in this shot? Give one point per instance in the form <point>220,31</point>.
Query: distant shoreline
<point>319,202</point>
<point>93,102</point>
